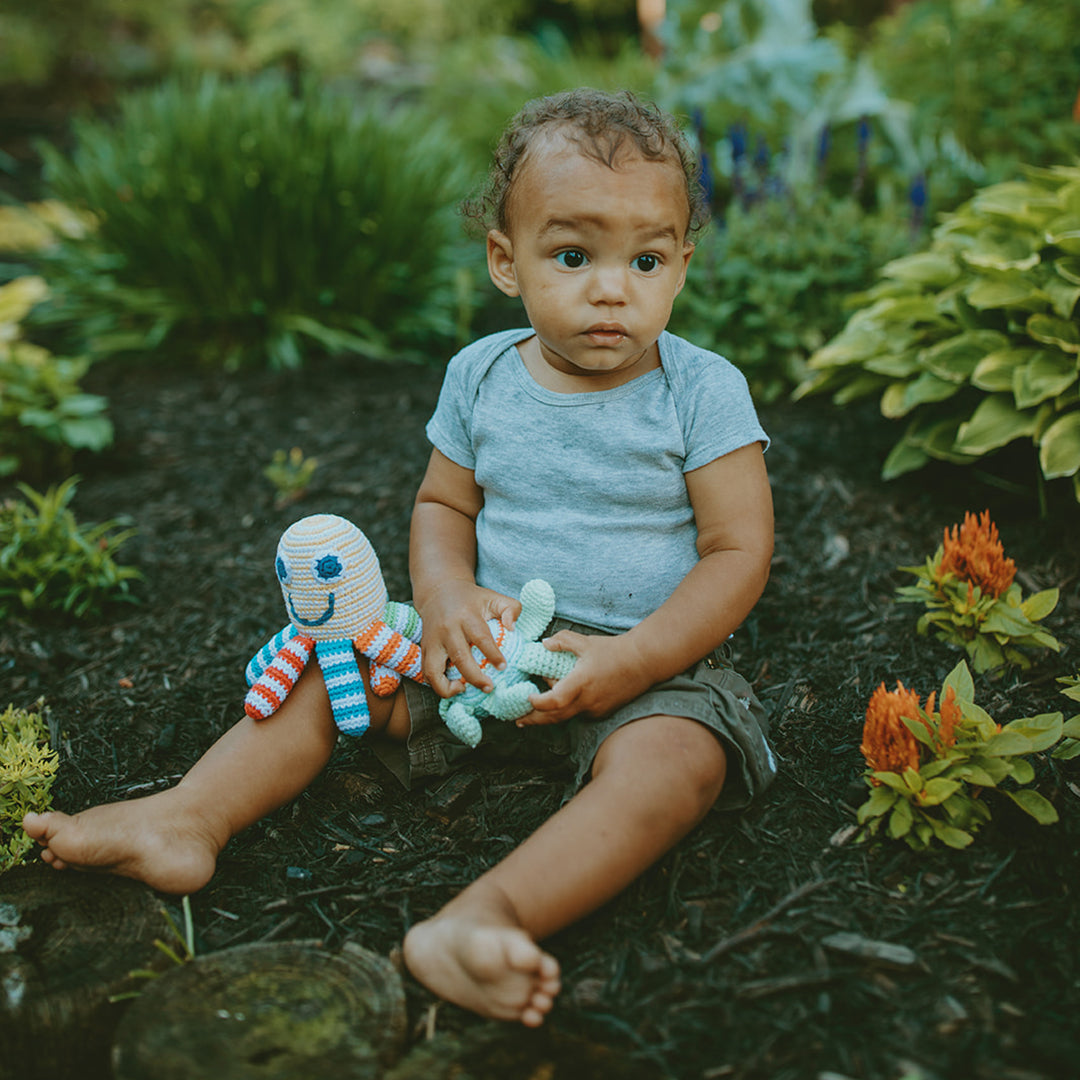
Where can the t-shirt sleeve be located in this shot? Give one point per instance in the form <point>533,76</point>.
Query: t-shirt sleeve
<point>449,429</point>
<point>716,410</point>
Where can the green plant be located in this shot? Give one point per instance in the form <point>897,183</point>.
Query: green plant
<point>48,561</point>
<point>768,287</point>
<point>998,79</point>
<point>239,221</point>
<point>926,769</point>
<point>290,473</point>
<point>180,951</point>
<point>975,339</point>
<point>27,771</point>
<point>44,415</point>
<point>972,600</point>
<point>1070,744</point>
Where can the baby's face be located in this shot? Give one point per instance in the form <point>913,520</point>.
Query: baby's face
<point>597,255</point>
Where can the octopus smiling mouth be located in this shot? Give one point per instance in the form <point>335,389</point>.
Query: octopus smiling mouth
<point>325,617</point>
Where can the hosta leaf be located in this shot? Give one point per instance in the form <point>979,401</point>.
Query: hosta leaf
<point>1012,253</point>
<point>1031,802</point>
<point>896,365</point>
<point>995,371</point>
<point>1068,198</point>
<point>1063,295</point>
<point>935,269</point>
<point>1069,268</point>
<point>1046,375</point>
<point>851,346</point>
<point>1051,330</point>
<point>1059,447</point>
<point>995,422</point>
<point>1013,200</point>
<point>956,357</point>
<point>1012,291</point>
<point>1064,232</point>
<point>904,457</point>
<point>900,398</point>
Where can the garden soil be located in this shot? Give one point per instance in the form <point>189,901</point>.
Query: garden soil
<point>769,944</point>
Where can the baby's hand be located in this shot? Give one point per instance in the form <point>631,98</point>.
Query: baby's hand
<point>609,672</point>
<point>455,618</point>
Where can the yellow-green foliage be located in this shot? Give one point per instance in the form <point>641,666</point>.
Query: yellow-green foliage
<point>27,771</point>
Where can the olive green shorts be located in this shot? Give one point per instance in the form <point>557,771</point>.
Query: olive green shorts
<point>711,692</point>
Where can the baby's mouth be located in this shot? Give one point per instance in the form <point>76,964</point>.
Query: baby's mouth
<point>606,335</point>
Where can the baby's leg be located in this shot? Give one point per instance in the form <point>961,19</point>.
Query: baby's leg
<point>653,780</point>
<point>171,839</point>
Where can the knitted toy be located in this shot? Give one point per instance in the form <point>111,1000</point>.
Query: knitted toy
<point>524,656</point>
<point>336,601</point>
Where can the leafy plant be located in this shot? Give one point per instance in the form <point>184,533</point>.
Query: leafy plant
<point>977,338</point>
<point>768,287</point>
<point>926,769</point>
<point>48,561</point>
<point>27,770</point>
<point>1070,744</point>
<point>240,221</point>
<point>44,415</point>
<point>290,473</point>
<point>972,600</point>
<point>999,79</point>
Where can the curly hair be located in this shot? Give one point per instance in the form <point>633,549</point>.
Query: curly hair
<point>600,123</point>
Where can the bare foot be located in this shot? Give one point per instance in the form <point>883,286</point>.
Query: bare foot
<point>151,840</point>
<point>494,970</point>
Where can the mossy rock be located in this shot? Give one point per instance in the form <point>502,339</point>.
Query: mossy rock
<point>275,1011</point>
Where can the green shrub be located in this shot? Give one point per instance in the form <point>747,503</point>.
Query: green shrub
<point>48,561</point>
<point>976,339</point>
<point>239,220</point>
<point>44,416</point>
<point>27,771</point>
<point>999,78</point>
<point>768,287</point>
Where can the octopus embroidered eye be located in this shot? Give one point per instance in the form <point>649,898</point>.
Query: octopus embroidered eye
<point>282,570</point>
<point>328,567</point>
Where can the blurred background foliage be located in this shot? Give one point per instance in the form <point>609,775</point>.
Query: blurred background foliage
<point>268,180</point>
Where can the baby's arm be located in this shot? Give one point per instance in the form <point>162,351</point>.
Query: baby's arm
<point>442,561</point>
<point>732,505</point>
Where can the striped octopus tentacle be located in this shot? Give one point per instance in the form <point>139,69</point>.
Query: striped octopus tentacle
<point>344,684</point>
<point>270,688</point>
<point>391,654</point>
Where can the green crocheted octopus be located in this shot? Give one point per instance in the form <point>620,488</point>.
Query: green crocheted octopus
<point>525,656</point>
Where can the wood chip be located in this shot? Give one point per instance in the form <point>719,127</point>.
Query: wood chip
<point>878,952</point>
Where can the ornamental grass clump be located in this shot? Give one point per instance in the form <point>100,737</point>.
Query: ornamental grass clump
<point>927,765</point>
<point>972,600</point>
<point>27,771</point>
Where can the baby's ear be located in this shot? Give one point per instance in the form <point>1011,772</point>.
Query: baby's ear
<point>500,259</point>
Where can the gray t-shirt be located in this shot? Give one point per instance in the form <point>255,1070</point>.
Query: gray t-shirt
<point>587,490</point>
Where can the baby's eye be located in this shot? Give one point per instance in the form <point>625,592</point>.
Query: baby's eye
<point>646,263</point>
<point>571,259</point>
<point>328,567</point>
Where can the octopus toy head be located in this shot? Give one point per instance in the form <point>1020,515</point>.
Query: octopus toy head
<point>330,578</point>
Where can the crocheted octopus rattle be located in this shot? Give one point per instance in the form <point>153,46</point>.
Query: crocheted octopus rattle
<point>337,602</point>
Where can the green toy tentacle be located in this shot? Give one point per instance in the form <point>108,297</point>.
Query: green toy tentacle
<point>537,659</point>
<point>537,608</point>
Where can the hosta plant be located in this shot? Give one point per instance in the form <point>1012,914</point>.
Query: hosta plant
<point>27,771</point>
<point>1070,744</point>
<point>49,561</point>
<point>44,414</point>
<point>972,600</point>
<point>976,340</point>
<point>927,766</point>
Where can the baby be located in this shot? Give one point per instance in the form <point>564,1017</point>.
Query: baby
<point>593,449</point>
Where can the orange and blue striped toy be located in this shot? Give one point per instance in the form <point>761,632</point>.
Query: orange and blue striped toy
<point>337,602</point>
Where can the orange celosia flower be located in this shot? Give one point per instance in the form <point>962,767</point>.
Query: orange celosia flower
<point>950,716</point>
<point>887,744</point>
<point>973,553</point>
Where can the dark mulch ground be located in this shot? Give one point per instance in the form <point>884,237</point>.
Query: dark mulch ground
<point>714,964</point>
